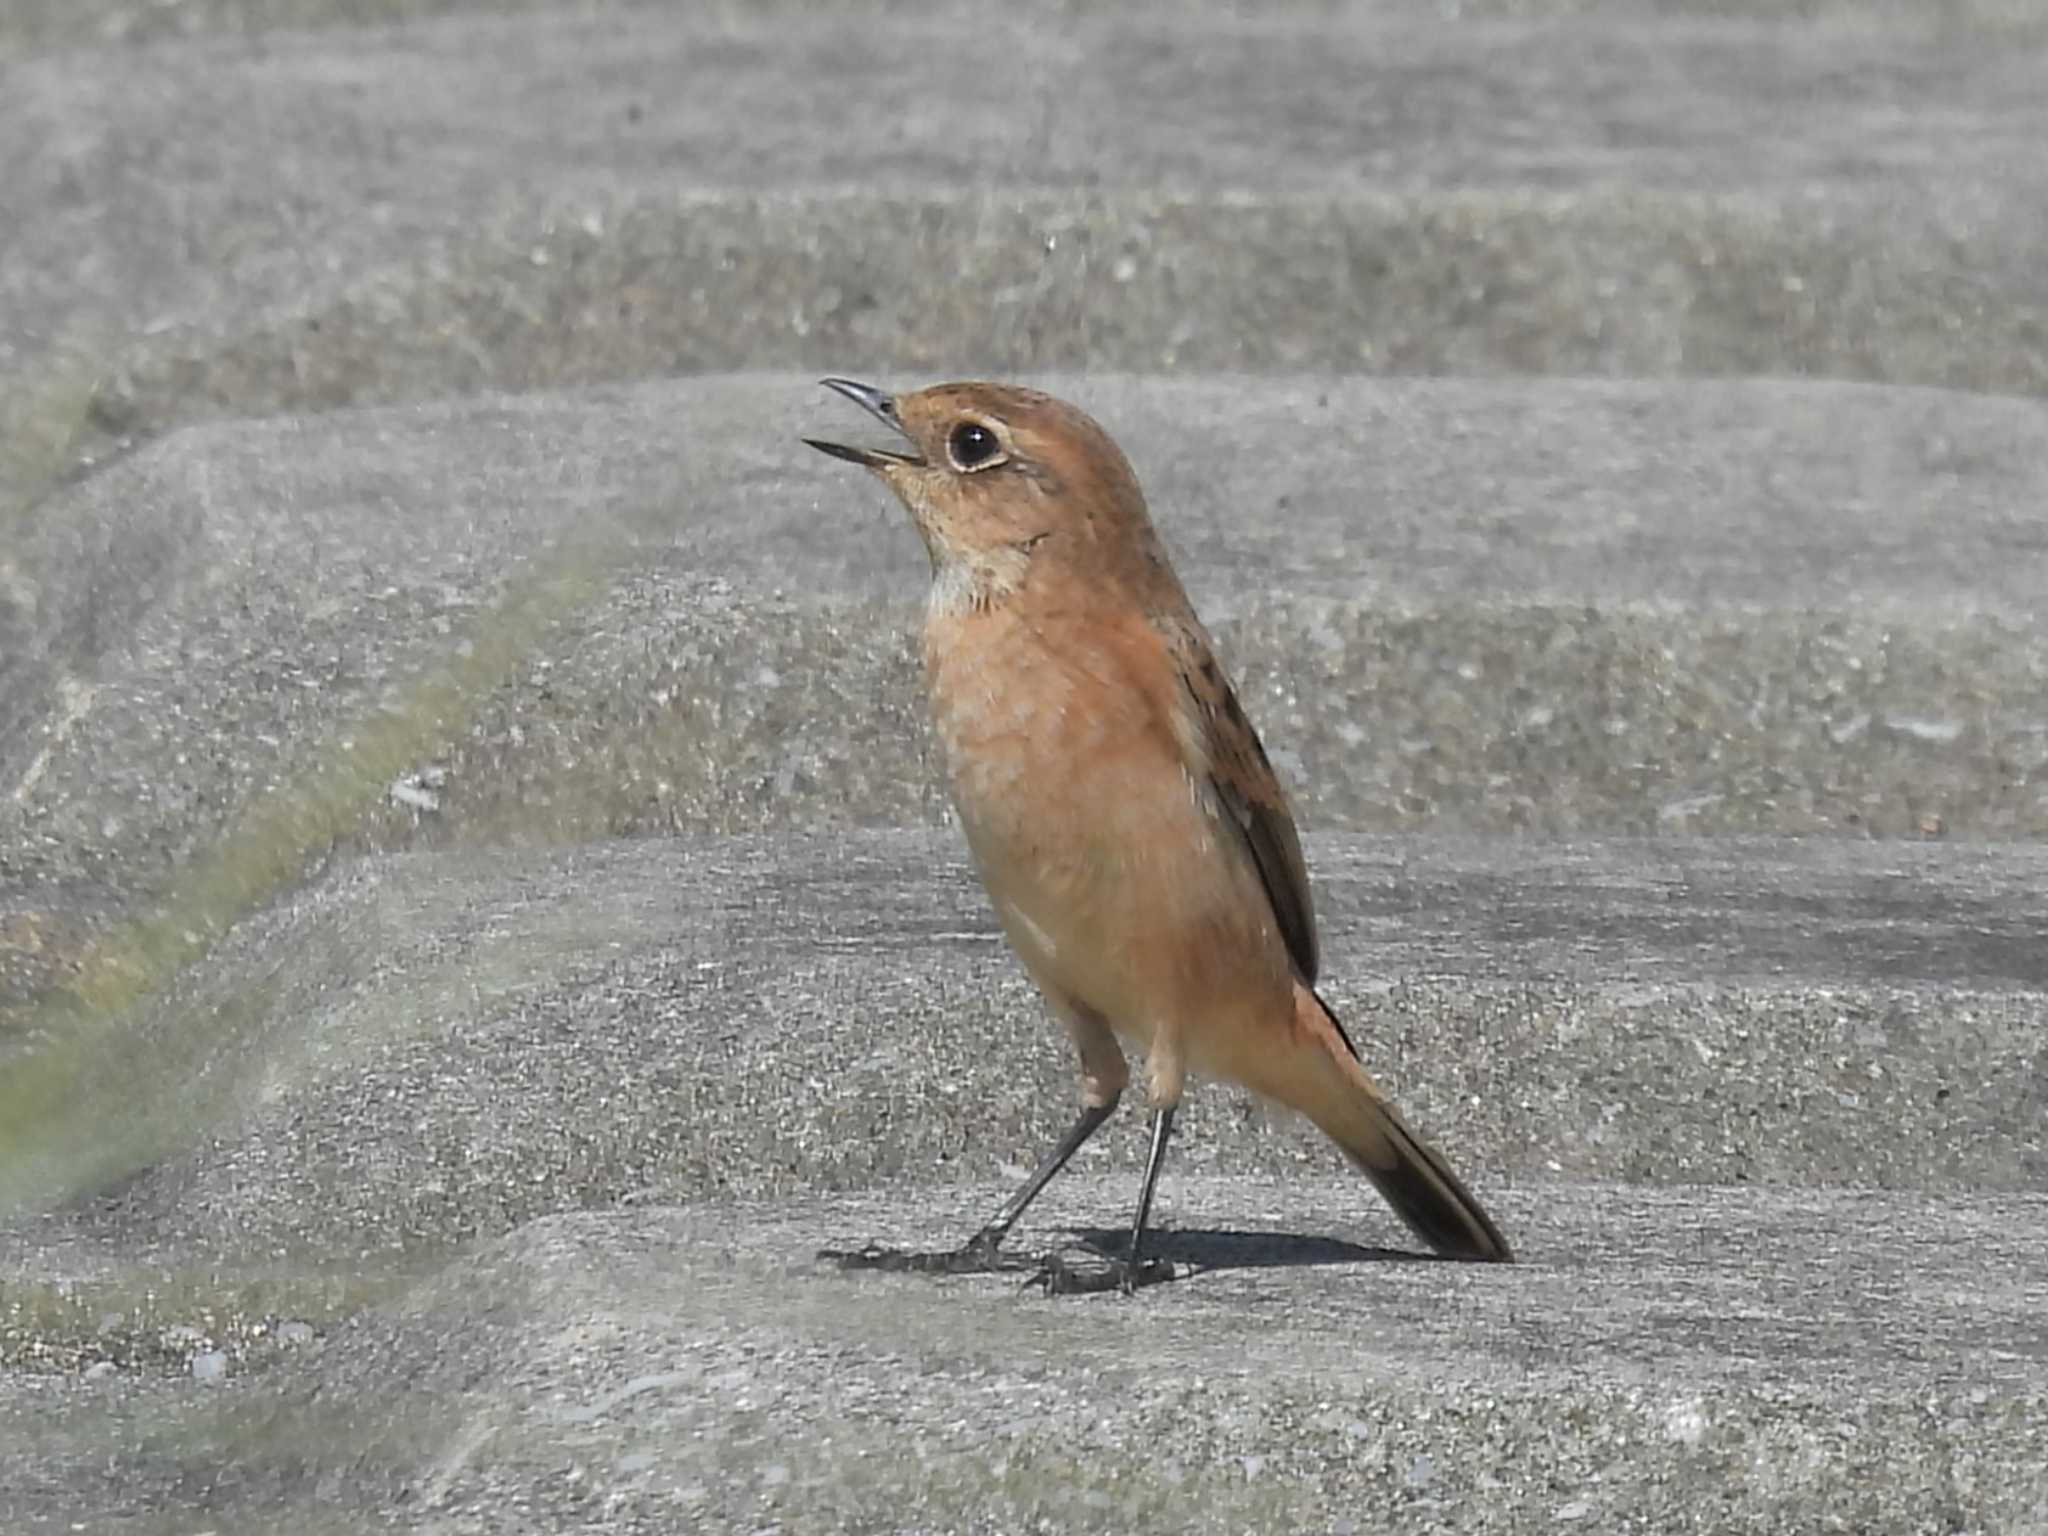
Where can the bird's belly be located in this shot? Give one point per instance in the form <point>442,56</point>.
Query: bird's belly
<point>1105,862</point>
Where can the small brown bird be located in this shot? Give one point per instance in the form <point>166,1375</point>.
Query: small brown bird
<point>1131,833</point>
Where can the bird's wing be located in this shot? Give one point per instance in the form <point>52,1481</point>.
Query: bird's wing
<point>1226,750</point>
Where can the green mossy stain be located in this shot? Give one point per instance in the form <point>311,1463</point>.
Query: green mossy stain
<point>89,1097</point>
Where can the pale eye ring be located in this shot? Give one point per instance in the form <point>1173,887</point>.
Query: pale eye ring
<point>972,446</point>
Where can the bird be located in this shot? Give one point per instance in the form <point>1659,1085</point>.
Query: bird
<point>1126,823</point>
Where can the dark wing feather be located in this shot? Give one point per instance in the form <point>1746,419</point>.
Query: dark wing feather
<point>1249,792</point>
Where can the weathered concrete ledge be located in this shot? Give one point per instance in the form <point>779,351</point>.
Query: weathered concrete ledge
<point>1554,608</point>
<point>426,1049</point>
<point>1687,1358</point>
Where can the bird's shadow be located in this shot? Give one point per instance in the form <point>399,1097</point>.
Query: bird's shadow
<point>1209,1248</point>
<point>1183,1251</point>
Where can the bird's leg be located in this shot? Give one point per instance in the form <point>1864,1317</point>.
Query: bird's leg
<point>1103,1076</point>
<point>984,1243</point>
<point>979,1253</point>
<point>1162,1128</point>
<point>1166,1073</point>
<point>1132,1271</point>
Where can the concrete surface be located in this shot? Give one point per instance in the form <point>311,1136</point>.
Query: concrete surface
<point>1752,607</point>
<point>476,913</point>
<point>761,1015</point>
<point>244,220</point>
<point>1815,1064</point>
<point>1695,1361</point>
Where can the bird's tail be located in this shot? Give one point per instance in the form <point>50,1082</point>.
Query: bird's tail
<point>1326,1082</point>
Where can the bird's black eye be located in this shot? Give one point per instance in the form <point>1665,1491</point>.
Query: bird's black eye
<point>972,446</point>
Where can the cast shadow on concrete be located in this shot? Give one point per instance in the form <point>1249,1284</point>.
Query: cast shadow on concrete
<point>1186,1250</point>
<point>1207,1248</point>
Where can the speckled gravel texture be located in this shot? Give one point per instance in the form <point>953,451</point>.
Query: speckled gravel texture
<point>1451,606</point>
<point>1763,1119</point>
<point>1696,1360</point>
<point>477,913</point>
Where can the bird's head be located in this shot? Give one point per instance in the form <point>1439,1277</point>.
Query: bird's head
<point>993,469</point>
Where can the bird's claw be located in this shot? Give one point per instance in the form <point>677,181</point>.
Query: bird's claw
<point>1062,1276</point>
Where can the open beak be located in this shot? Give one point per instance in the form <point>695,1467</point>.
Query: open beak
<point>878,405</point>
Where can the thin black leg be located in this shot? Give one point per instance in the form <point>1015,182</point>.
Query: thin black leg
<point>990,1237</point>
<point>1132,1270</point>
<point>1162,1129</point>
<point>979,1254</point>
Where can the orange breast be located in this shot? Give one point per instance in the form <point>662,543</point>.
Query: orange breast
<point>1102,854</point>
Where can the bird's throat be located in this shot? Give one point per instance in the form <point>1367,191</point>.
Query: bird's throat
<point>976,582</point>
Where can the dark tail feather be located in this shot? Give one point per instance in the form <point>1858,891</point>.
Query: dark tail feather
<point>1431,1199</point>
<point>1352,1111</point>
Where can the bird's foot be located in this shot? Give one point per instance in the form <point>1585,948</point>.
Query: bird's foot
<point>1088,1273</point>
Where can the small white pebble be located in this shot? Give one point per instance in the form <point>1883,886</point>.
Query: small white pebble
<point>1921,728</point>
<point>1685,1421</point>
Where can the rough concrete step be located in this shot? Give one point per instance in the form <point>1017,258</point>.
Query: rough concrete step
<point>1556,607</point>
<point>478,202</point>
<point>423,1049</point>
<point>1758,608</point>
<point>1682,1359</point>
